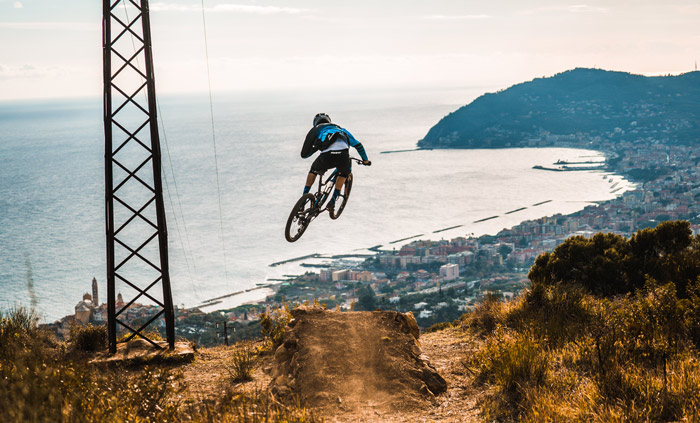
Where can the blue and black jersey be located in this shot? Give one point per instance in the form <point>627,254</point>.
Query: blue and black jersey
<point>322,137</point>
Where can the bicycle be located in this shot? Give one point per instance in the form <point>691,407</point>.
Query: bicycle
<point>309,206</point>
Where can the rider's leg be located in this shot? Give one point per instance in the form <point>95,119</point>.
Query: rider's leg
<point>320,165</point>
<point>310,178</point>
<point>344,167</point>
<point>338,185</point>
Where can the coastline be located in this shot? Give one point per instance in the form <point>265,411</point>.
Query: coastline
<point>374,251</point>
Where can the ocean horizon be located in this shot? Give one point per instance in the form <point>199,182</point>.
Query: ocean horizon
<point>52,231</point>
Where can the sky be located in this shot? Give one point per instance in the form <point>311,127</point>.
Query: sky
<point>53,49</point>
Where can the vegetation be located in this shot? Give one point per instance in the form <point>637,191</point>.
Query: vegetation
<point>609,264</point>
<point>88,338</point>
<point>42,380</point>
<point>272,326</point>
<point>242,363</point>
<point>608,332</point>
<point>580,101</point>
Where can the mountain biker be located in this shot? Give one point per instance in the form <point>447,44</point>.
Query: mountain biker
<point>334,143</point>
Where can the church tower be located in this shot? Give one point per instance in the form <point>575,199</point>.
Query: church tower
<point>95,299</point>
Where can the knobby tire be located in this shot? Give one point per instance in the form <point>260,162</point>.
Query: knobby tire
<point>343,198</point>
<point>299,218</point>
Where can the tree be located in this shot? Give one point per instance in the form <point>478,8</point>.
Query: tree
<point>504,250</point>
<point>609,264</point>
<point>366,300</point>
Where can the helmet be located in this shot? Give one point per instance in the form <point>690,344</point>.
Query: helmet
<point>321,118</point>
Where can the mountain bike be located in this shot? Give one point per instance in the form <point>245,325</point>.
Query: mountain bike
<point>309,206</point>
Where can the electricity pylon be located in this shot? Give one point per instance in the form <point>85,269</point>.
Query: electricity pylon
<point>137,244</point>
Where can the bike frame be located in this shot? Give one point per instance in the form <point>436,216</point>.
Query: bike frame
<point>301,216</point>
<point>325,188</point>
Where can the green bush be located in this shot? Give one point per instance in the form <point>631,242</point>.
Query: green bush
<point>609,265</point>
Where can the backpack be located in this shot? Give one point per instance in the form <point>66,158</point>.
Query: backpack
<point>315,141</point>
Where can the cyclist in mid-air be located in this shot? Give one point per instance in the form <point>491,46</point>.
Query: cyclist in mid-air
<point>333,142</point>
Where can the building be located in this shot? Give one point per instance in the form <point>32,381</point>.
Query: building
<point>364,276</point>
<point>95,298</point>
<point>449,271</point>
<point>325,275</point>
<point>84,310</point>
<point>340,275</point>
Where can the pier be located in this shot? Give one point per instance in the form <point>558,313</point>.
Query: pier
<point>315,255</point>
<point>485,219</point>
<point>447,229</point>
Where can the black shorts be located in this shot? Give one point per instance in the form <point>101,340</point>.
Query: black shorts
<point>330,159</point>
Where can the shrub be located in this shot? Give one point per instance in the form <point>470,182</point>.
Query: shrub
<point>272,326</point>
<point>242,363</point>
<point>556,313</point>
<point>438,327</point>
<point>486,315</point>
<point>609,265</point>
<point>88,338</point>
<point>18,331</point>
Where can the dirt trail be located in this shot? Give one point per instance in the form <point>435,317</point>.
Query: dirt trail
<point>355,364</point>
<point>355,367</point>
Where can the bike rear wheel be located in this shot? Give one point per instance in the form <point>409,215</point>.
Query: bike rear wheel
<point>299,218</point>
<point>342,199</point>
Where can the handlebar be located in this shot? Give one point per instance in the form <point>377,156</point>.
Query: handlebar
<point>369,163</point>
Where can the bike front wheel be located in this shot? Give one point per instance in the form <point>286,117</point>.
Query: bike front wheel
<point>342,198</point>
<point>299,218</point>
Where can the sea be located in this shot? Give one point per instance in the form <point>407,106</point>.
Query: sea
<point>226,240</point>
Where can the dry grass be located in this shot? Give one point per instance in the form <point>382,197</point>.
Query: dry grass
<point>558,354</point>
<point>44,381</point>
<point>272,327</point>
<point>242,363</point>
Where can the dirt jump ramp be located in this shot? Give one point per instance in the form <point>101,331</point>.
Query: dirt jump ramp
<point>347,361</point>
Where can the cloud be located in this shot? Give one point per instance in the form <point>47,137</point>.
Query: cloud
<point>458,17</point>
<point>74,26</point>
<point>261,10</point>
<point>18,5</point>
<point>584,8</point>
<point>227,7</point>
<point>28,71</point>
<point>573,8</point>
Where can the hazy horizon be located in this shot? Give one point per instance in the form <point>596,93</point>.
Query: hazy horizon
<point>53,50</point>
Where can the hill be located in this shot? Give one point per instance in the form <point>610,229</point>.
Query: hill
<point>590,102</point>
<point>326,366</point>
<point>608,332</point>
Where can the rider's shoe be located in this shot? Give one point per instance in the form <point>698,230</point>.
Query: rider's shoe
<point>330,207</point>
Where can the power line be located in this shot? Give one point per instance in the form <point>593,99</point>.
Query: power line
<point>165,179</point>
<point>177,196</point>
<point>213,134</point>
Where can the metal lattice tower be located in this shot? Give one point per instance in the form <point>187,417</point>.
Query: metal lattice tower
<point>137,250</point>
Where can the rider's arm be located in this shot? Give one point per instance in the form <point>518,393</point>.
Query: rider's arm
<point>306,149</point>
<point>357,145</point>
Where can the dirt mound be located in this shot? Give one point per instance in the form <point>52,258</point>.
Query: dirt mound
<point>354,360</point>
